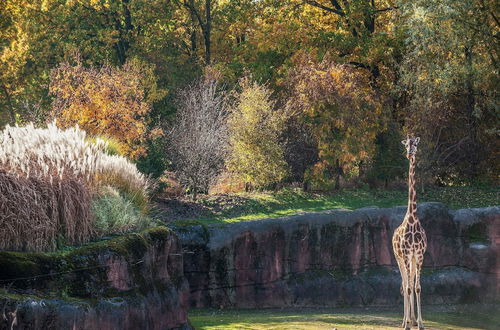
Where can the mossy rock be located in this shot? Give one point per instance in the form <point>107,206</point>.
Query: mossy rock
<point>78,272</point>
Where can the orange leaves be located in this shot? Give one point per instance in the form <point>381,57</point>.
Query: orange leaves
<point>103,101</point>
<point>344,110</point>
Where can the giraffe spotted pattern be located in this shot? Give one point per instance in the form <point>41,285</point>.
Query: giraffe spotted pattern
<point>409,243</point>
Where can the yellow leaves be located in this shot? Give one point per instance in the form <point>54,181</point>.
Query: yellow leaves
<point>255,155</point>
<point>344,111</point>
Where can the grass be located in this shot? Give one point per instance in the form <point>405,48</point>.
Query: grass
<point>115,214</point>
<point>435,317</point>
<point>258,205</point>
<point>48,178</point>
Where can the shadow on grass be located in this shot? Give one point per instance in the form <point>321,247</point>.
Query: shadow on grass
<point>258,205</point>
<point>435,317</point>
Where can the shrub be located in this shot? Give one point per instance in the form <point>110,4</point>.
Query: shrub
<point>115,101</point>
<point>115,214</point>
<point>197,139</point>
<point>255,153</point>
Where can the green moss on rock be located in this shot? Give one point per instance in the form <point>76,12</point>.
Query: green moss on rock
<point>79,272</point>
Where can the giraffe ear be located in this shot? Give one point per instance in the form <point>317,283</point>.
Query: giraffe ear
<point>405,142</point>
<point>417,140</point>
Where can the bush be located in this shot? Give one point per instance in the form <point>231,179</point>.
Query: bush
<point>198,139</point>
<point>255,153</point>
<point>115,101</point>
<point>115,214</point>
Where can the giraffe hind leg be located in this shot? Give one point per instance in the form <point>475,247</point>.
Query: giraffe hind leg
<point>418,290</point>
<point>409,286</point>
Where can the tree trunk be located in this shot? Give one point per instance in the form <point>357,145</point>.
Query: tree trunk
<point>193,37</point>
<point>338,174</point>
<point>123,44</point>
<point>195,193</point>
<point>305,186</point>
<point>207,31</point>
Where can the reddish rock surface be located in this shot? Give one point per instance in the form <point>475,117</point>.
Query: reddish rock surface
<point>130,282</point>
<point>340,258</point>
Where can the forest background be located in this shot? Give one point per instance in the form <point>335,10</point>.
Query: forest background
<point>216,95</point>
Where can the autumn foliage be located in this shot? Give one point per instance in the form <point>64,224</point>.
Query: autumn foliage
<point>256,155</point>
<point>342,108</point>
<point>374,71</point>
<point>104,100</point>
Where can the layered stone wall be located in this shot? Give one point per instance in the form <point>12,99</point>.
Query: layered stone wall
<point>340,258</point>
<point>335,258</point>
<point>130,282</point>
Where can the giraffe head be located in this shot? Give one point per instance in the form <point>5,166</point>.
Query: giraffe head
<point>411,146</point>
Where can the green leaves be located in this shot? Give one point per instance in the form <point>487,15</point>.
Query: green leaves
<point>255,153</point>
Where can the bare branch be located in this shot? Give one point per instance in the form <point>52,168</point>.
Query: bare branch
<point>332,10</point>
<point>197,137</point>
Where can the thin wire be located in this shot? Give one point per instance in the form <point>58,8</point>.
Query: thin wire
<point>136,262</point>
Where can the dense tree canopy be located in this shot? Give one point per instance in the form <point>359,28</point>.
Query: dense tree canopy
<point>357,74</point>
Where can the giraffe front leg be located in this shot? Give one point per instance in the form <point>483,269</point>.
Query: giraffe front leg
<point>420,322</point>
<point>409,285</point>
<point>403,289</point>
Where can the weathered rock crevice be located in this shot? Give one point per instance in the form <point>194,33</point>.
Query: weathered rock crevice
<point>339,258</point>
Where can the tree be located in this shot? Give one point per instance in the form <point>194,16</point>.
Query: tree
<point>197,138</point>
<point>36,35</point>
<point>388,161</point>
<point>450,75</point>
<point>362,26</point>
<point>201,15</point>
<point>109,101</point>
<point>255,154</point>
<point>344,111</point>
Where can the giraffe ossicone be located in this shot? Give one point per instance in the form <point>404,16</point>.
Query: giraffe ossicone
<point>409,243</point>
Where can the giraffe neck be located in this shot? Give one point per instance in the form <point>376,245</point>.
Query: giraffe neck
<point>412,194</point>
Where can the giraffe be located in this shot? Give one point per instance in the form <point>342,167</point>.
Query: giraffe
<point>409,243</point>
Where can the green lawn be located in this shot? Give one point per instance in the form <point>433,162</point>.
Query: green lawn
<point>435,317</point>
<point>257,205</point>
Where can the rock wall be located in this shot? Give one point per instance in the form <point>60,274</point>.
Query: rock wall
<point>340,258</point>
<point>131,282</point>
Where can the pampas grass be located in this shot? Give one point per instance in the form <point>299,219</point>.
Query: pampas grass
<point>48,177</point>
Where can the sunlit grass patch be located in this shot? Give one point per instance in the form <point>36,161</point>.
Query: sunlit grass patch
<point>435,317</point>
<point>259,205</point>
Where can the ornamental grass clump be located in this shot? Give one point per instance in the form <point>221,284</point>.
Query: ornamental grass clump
<point>116,214</point>
<point>48,180</point>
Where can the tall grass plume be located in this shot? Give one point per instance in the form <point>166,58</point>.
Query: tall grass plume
<point>48,178</point>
